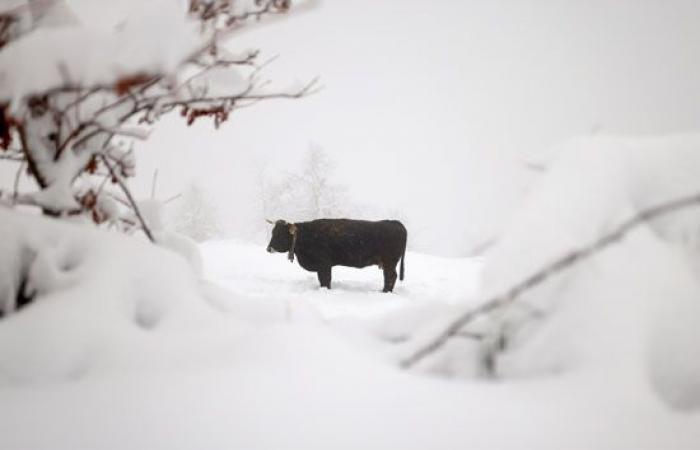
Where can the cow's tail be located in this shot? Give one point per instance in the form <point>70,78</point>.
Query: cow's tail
<point>403,256</point>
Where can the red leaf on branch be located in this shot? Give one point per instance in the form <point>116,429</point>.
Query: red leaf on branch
<point>6,125</point>
<point>89,199</point>
<point>219,113</point>
<point>124,84</point>
<point>91,167</point>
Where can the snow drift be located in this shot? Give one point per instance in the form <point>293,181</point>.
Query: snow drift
<point>98,298</point>
<point>275,363</point>
<point>633,305</point>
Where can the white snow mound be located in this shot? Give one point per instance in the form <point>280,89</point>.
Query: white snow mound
<point>99,298</point>
<point>632,306</point>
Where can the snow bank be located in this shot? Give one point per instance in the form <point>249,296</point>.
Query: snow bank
<point>630,306</point>
<point>302,387</point>
<point>100,299</point>
<point>154,215</point>
<point>673,341</point>
<point>284,364</point>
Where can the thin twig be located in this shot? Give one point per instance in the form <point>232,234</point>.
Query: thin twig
<point>172,199</point>
<point>481,247</point>
<point>18,176</point>
<point>154,181</point>
<point>12,157</point>
<point>126,191</point>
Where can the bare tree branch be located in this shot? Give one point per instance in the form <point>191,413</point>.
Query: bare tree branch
<point>482,247</point>
<point>539,276</point>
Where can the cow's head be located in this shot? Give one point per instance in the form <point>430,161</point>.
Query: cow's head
<point>284,237</point>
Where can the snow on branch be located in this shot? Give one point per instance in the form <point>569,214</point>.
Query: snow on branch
<point>565,262</point>
<point>230,13</point>
<point>132,202</point>
<point>68,88</point>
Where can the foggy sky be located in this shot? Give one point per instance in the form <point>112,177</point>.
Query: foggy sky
<point>431,108</point>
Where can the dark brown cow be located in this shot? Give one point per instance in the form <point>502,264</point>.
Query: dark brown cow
<point>321,244</point>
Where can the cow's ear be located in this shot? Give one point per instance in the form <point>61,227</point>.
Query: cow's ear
<point>292,229</point>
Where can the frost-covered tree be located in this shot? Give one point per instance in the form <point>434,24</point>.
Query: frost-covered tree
<point>195,215</point>
<point>308,194</point>
<point>76,92</point>
<point>325,198</point>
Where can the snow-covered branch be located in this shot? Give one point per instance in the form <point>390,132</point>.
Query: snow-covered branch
<point>138,133</point>
<point>132,202</point>
<point>225,13</point>
<point>455,327</point>
<point>68,88</point>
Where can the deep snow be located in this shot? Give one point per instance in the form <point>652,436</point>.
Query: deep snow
<point>632,306</point>
<point>289,365</point>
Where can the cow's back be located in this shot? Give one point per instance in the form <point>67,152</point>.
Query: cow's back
<point>354,243</point>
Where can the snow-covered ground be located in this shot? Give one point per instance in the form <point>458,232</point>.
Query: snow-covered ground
<point>249,272</point>
<point>286,365</point>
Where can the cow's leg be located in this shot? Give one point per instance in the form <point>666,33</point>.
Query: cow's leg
<point>324,277</point>
<point>389,277</point>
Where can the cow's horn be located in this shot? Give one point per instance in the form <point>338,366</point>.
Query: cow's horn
<point>269,221</point>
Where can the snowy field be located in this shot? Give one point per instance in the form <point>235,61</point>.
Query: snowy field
<point>264,279</point>
<point>286,365</point>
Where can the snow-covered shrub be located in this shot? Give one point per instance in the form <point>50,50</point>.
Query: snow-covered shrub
<point>591,295</point>
<point>98,296</point>
<point>165,236</point>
